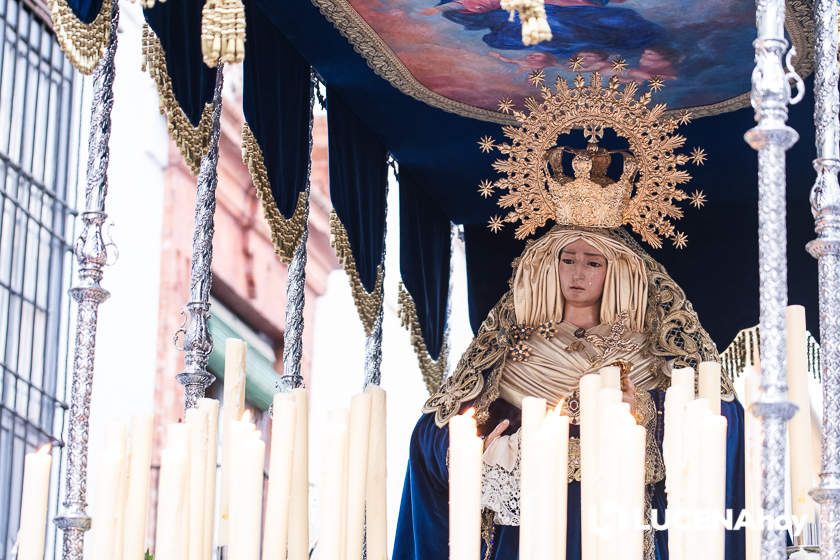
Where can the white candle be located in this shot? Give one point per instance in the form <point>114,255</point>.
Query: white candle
<point>694,540</point>
<point>299,515</point>
<point>276,533</point>
<point>562,476</point>
<point>610,377</point>
<point>752,464</point>
<point>714,455</point>
<point>33,510</point>
<point>465,450</point>
<point>137,501</point>
<point>708,384</point>
<point>234,406</point>
<point>333,502</point>
<point>171,541</point>
<point>357,458</point>
<point>677,396</point>
<point>246,492</point>
<point>376,513</point>
<point>802,473</point>
<point>590,385</point>
<point>609,487</point>
<point>634,490</point>
<point>683,376</point>
<point>552,436</point>
<point>211,411</point>
<point>196,421</point>
<point>108,495</point>
<point>531,477</point>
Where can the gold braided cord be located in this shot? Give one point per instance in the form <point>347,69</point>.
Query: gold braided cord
<point>191,140</point>
<point>432,370</point>
<point>285,232</point>
<point>367,303</point>
<point>83,43</point>
<point>223,32</point>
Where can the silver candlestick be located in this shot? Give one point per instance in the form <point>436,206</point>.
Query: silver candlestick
<point>771,93</point>
<point>825,204</point>
<point>91,252</point>
<point>197,342</point>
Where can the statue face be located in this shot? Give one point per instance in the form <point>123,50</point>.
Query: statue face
<point>583,269</point>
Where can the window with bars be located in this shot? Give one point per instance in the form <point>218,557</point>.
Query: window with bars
<point>39,139</point>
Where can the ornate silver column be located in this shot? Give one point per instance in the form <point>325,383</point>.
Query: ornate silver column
<point>295,299</point>
<point>771,93</point>
<point>91,253</point>
<point>197,343</point>
<point>825,204</point>
<point>373,349</point>
<point>296,281</point>
<point>373,342</point>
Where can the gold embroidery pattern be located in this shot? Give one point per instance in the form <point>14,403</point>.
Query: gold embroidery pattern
<point>286,233</point>
<point>673,326</point>
<point>191,140</point>
<point>367,304</point>
<point>614,341</point>
<point>431,370</point>
<point>82,43</point>
<point>487,351</point>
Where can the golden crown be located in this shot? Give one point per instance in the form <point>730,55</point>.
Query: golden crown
<point>538,189</point>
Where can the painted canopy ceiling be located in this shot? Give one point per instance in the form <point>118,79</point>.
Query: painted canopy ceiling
<point>464,56</point>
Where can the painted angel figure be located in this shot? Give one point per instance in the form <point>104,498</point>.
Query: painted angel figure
<point>580,298</point>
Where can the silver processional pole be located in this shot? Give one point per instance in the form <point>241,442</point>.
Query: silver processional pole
<point>825,204</point>
<point>91,253</point>
<point>197,342</point>
<point>771,93</point>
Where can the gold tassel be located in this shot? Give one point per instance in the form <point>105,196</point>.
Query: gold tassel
<point>535,28</point>
<point>431,370</point>
<point>223,32</point>
<point>285,232</point>
<point>83,43</point>
<point>367,304</point>
<point>191,140</point>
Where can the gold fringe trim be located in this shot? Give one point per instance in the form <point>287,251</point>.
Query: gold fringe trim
<point>367,304</point>
<point>432,370</point>
<point>192,141</point>
<point>744,351</point>
<point>223,32</point>
<point>285,232</point>
<point>83,43</point>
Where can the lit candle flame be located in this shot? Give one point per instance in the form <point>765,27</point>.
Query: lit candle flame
<point>45,449</point>
<point>246,416</point>
<point>470,412</point>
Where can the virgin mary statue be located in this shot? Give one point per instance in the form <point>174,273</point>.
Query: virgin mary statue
<point>582,296</point>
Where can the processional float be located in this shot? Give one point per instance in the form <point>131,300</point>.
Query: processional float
<point>90,42</point>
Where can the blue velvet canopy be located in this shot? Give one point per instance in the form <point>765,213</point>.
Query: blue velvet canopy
<point>434,141</point>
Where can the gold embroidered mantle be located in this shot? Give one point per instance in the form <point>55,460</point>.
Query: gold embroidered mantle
<point>672,331</point>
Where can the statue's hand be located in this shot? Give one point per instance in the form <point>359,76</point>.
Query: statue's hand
<point>497,431</point>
